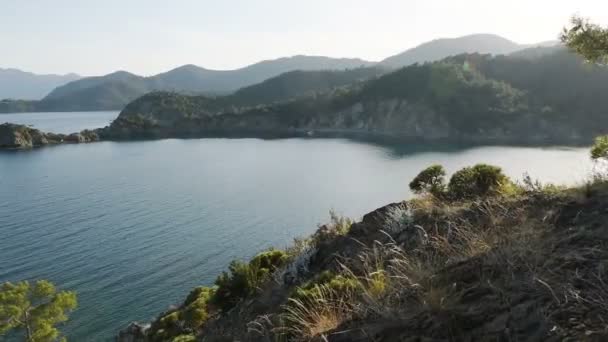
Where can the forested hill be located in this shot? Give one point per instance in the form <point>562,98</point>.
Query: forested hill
<point>115,90</point>
<point>473,97</point>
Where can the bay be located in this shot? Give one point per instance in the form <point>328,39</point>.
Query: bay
<point>133,226</point>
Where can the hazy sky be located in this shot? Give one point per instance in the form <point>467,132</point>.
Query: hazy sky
<point>93,37</point>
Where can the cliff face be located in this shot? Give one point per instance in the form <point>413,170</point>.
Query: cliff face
<point>21,136</point>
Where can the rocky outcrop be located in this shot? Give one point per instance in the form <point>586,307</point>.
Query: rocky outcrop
<point>134,332</point>
<point>528,267</point>
<point>23,137</point>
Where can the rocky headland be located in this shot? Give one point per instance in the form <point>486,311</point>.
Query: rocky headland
<point>519,263</point>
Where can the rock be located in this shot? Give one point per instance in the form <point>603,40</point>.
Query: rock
<point>20,136</point>
<point>82,137</point>
<point>134,332</point>
<point>74,138</point>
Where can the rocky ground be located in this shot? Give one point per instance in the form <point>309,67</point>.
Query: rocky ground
<point>528,266</point>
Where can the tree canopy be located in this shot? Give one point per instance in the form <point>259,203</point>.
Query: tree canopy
<point>587,39</point>
<point>35,309</point>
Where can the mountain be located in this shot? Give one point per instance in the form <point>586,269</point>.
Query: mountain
<point>17,84</point>
<point>537,51</point>
<point>444,47</point>
<point>299,83</point>
<point>469,97</point>
<point>115,90</point>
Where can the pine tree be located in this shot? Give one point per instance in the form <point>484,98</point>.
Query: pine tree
<point>34,309</point>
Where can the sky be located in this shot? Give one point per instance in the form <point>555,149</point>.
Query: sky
<point>94,37</point>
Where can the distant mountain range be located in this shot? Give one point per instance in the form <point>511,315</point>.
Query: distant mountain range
<point>115,90</point>
<point>17,84</point>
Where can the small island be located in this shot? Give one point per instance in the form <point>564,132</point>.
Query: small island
<point>14,136</point>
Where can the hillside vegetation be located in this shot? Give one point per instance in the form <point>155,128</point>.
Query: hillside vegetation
<point>470,97</point>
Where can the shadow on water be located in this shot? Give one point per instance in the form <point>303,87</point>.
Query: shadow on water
<point>395,147</point>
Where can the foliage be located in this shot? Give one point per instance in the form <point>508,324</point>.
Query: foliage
<point>587,39</point>
<point>397,219</point>
<point>184,338</point>
<point>338,226</point>
<point>34,308</point>
<point>600,148</point>
<point>326,280</point>
<point>244,279</point>
<point>192,314</point>
<point>581,105</point>
<point>466,98</point>
<point>475,181</point>
<point>471,94</point>
<point>430,180</point>
<point>297,84</point>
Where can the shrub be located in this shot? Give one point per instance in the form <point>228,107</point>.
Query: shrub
<point>430,180</point>
<point>479,180</point>
<point>320,305</point>
<point>338,226</point>
<point>35,308</point>
<point>191,315</point>
<point>326,280</point>
<point>244,279</point>
<point>397,219</point>
<point>600,148</point>
<point>195,312</point>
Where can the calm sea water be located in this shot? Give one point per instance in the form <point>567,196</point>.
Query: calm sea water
<point>68,122</point>
<point>133,226</point>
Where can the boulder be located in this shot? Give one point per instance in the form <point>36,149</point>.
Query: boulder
<point>19,136</point>
<point>134,332</point>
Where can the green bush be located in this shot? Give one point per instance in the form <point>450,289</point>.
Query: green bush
<point>244,279</point>
<point>430,180</point>
<point>476,181</point>
<point>189,316</point>
<point>600,148</point>
<point>195,312</point>
<point>329,280</point>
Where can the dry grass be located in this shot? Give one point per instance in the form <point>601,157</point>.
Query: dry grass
<point>317,314</point>
<point>397,282</point>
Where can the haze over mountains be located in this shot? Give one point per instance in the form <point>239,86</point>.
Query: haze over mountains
<point>17,84</point>
<point>115,90</point>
